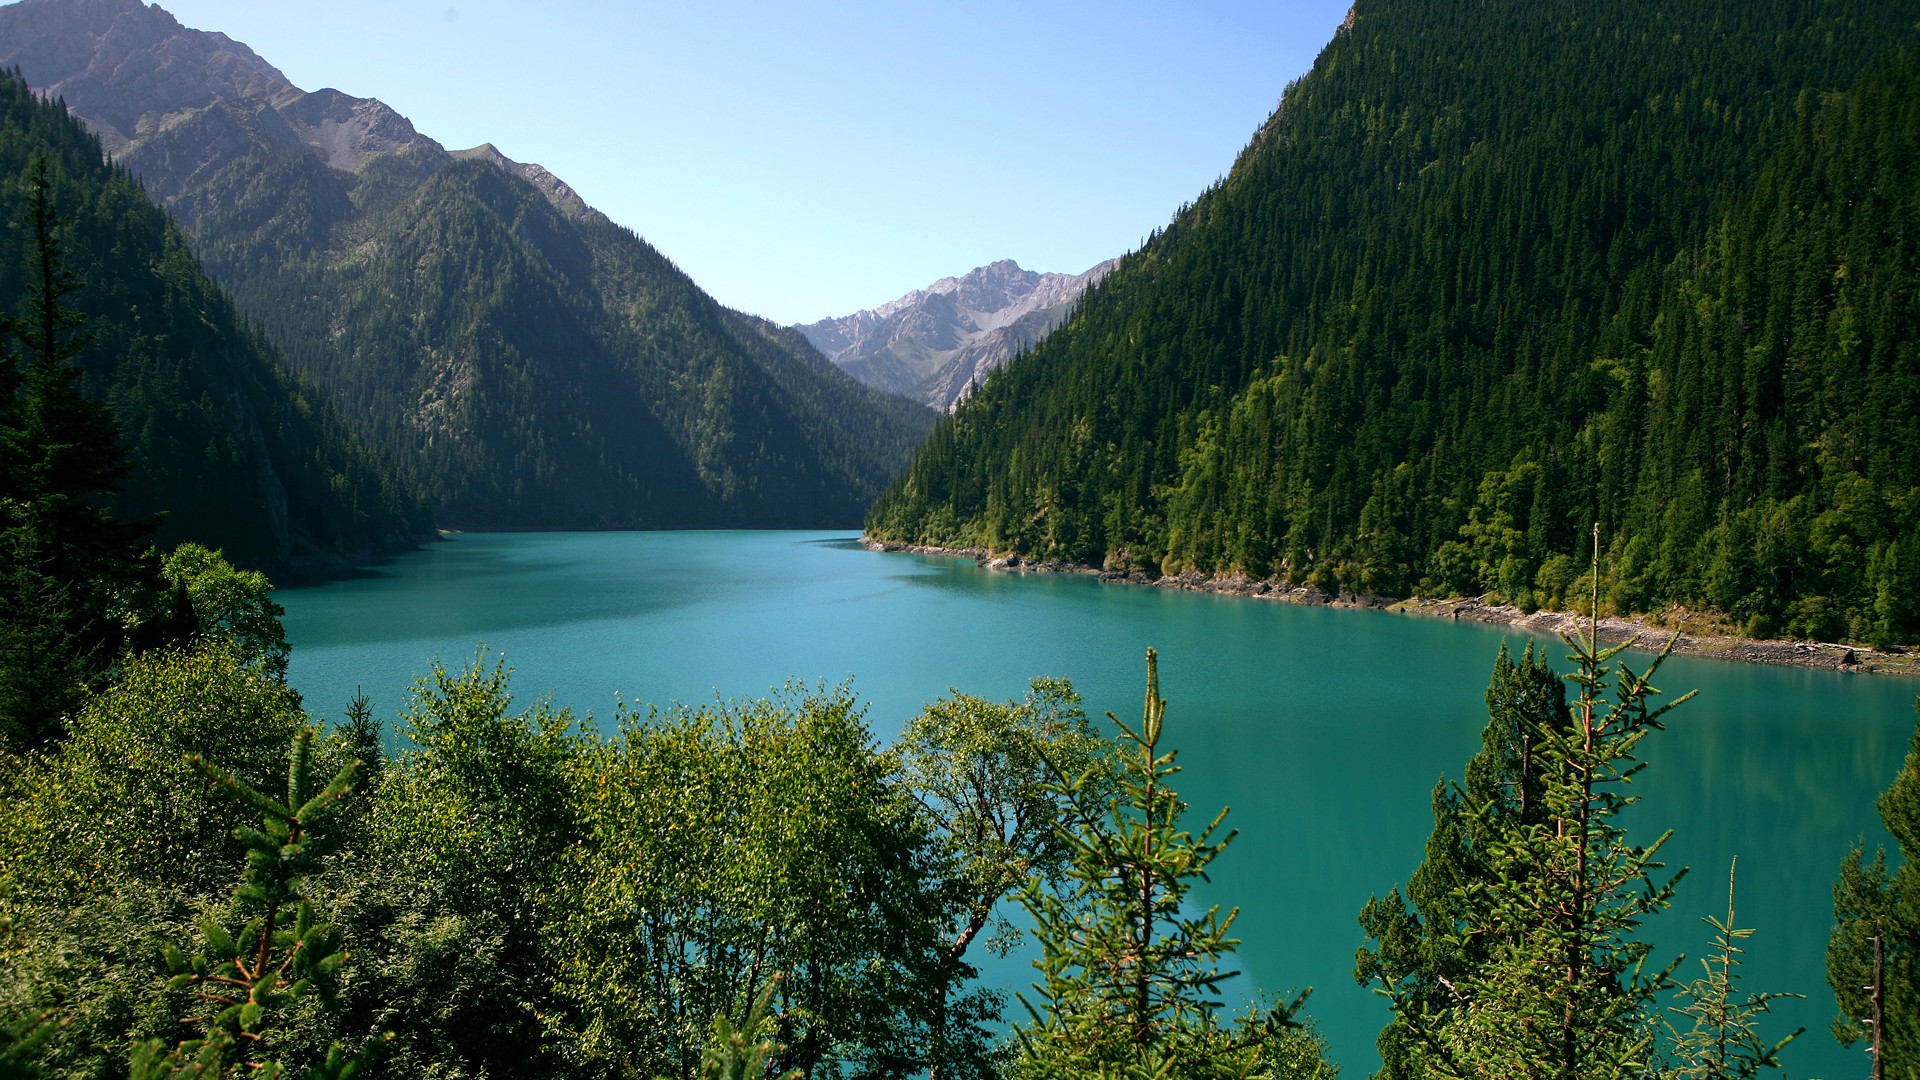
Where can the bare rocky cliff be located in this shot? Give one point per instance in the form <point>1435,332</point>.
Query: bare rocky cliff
<point>936,343</point>
<point>176,105</point>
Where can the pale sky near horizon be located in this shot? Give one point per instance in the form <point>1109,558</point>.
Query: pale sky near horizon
<point>801,161</point>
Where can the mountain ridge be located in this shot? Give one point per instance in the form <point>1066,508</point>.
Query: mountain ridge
<point>202,69</point>
<point>228,448</point>
<point>1488,276</point>
<point>539,365</point>
<point>936,343</point>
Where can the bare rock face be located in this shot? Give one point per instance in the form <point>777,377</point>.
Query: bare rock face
<point>557,191</point>
<point>175,104</point>
<point>347,130</point>
<point>119,63</point>
<point>937,343</point>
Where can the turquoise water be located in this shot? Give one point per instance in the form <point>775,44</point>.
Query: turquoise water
<point>1323,730</point>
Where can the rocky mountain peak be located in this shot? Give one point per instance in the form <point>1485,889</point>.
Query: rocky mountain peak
<point>557,191</point>
<point>137,77</point>
<point>935,343</point>
<point>527,366</point>
<point>118,61</point>
<point>347,130</point>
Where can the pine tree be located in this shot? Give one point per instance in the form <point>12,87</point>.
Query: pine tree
<point>43,673</point>
<point>1556,989</point>
<point>1130,978</point>
<point>282,954</point>
<point>1419,951</point>
<point>75,572</point>
<point>1724,1042</point>
<point>745,1052</point>
<point>20,1041</point>
<point>1871,902</point>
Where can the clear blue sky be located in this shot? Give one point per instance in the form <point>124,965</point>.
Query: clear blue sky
<point>807,160</point>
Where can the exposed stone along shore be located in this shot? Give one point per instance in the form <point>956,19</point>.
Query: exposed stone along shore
<point>1612,630</point>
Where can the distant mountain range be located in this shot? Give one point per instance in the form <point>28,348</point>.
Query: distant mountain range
<point>531,363</point>
<point>934,344</point>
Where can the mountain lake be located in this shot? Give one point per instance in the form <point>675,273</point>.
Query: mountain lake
<point>1324,730</point>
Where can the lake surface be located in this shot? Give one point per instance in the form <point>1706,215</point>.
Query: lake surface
<point>1324,730</point>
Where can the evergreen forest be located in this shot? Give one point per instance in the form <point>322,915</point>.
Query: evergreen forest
<point>539,370</point>
<point>526,361</point>
<point>225,445</point>
<point>1493,272</point>
<point>477,887</point>
<point>1490,274</point>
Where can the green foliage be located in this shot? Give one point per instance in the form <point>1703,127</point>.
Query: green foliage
<point>1527,956</point>
<point>1562,992</point>
<point>1423,944</point>
<point>44,669</point>
<point>20,1042</point>
<point>1646,264</point>
<point>72,813</point>
<point>236,452</point>
<point>453,880</point>
<point>1130,979</point>
<point>1870,900</point>
<point>743,1053</point>
<point>728,842</point>
<point>1724,1041</point>
<point>981,773</point>
<point>74,569</point>
<point>112,845</point>
<point>234,605</point>
<point>517,899</point>
<point>242,981</point>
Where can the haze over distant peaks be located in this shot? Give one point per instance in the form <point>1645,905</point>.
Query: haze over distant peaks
<point>935,343</point>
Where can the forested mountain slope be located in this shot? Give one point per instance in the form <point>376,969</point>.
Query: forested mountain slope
<point>1491,274</point>
<point>536,364</point>
<point>238,453</point>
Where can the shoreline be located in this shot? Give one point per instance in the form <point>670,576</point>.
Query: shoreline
<point>1852,659</point>
<point>314,568</point>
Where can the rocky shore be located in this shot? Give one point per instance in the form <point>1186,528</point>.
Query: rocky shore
<point>1612,630</point>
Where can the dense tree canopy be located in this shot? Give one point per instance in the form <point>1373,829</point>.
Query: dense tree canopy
<point>239,454</point>
<point>528,362</point>
<point>1493,273</point>
<point>1876,900</point>
<point>73,571</point>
